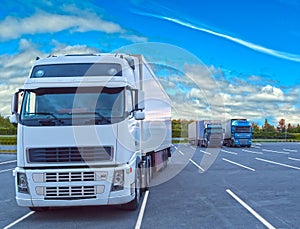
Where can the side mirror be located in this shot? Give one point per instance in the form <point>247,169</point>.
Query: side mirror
<point>15,108</point>
<point>13,119</point>
<point>139,100</point>
<point>139,115</point>
<point>15,103</point>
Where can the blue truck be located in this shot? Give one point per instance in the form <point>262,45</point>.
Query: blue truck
<point>237,132</point>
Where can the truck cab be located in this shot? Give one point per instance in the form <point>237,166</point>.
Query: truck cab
<point>238,132</point>
<point>213,135</point>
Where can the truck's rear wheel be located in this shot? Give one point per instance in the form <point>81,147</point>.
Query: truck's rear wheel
<point>148,178</point>
<point>145,177</point>
<point>165,159</point>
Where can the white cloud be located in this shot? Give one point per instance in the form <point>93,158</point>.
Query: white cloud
<point>268,93</point>
<point>43,22</point>
<point>234,98</point>
<point>134,38</point>
<point>62,49</point>
<point>14,69</point>
<point>195,95</point>
<point>70,18</point>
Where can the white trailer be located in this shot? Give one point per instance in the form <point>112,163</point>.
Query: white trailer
<point>92,129</point>
<point>205,133</point>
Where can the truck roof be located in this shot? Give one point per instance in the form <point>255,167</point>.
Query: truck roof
<point>127,65</point>
<point>84,58</point>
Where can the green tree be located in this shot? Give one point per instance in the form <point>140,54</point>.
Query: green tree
<point>6,128</point>
<point>268,127</point>
<point>255,127</point>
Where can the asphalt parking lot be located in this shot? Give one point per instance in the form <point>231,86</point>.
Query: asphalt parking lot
<point>255,187</point>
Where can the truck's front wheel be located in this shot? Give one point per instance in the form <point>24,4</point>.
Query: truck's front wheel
<point>134,204</point>
<point>39,209</point>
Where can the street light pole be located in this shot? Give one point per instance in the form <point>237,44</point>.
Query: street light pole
<point>285,132</point>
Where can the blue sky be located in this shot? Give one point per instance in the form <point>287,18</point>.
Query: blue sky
<point>251,49</point>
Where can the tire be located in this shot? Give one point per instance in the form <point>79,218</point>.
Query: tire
<point>232,143</point>
<point>39,209</point>
<point>145,184</point>
<point>134,204</point>
<point>165,159</point>
<point>148,178</point>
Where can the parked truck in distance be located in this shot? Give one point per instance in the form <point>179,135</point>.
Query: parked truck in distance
<point>205,133</point>
<point>92,129</point>
<point>237,132</point>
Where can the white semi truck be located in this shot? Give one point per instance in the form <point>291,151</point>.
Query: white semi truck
<point>206,133</point>
<point>92,129</point>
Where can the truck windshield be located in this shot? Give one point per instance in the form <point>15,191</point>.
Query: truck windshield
<point>214,130</point>
<point>242,129</point>
<point>72,106</point>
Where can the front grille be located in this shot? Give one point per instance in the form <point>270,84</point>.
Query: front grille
<point>70,154</point>
<point>242,129</point>
<point>244,141</point>
<point>70,192</point>
<point>70,176</point>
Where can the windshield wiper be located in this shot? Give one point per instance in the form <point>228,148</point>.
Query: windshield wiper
<point>47,113</point>
<point>94,113</point>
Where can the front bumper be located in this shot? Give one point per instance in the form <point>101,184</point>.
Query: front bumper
<point>74,187</point>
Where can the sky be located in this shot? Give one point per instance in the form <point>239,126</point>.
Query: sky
<point>215,59</point>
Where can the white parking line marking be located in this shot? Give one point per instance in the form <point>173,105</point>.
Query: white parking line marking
<point>253,212</point>
<point>197,165</point>
<point>205,152</point>
<point>249,151</point>
<point>291,150</point>
<point>235,163</point>
<point>5,170</point>
<point>274,151</point>
<point>19,220</point>
<point>257,147</point>
<point>181,152</point>
<point>7,162</point>
<point>141,214</point>
<point>277,163</point>
<point>258,144</point>
<point>294,159</point>
<point>225,151</point>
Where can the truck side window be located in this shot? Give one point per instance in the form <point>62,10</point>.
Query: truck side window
<point>30,104</point>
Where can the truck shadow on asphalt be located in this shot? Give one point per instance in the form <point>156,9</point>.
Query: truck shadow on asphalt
<point>87,216</point>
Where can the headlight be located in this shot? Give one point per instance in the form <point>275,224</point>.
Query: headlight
<point>22,183</point>
<point>118,181</point>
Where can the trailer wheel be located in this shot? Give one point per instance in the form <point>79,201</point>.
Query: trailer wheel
<point>165,159</point>
<point>134,204</point>
<point>148,178</point>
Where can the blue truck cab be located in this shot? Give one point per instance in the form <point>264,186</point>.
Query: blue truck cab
<point>238,132</point>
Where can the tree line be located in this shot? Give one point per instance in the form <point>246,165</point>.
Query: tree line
<point>180,129</point>
<point>6,128</point>
<point>281,131</point>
